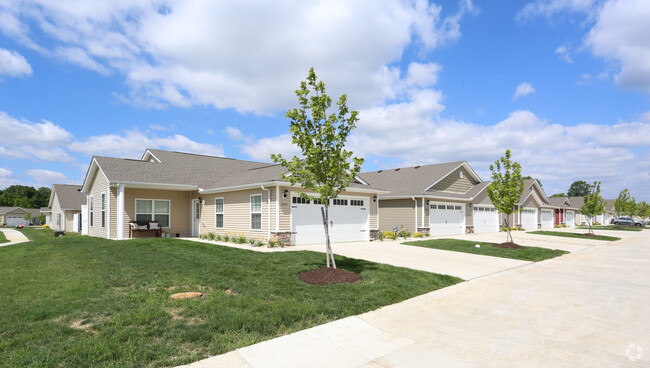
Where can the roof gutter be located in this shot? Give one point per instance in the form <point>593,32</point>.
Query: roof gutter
<point>154,185</point>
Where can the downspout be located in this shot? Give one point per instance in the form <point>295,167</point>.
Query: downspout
<point>416,214</point>
<point>268,209</point>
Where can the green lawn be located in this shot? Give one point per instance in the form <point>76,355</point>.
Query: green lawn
<point>612,227</point>
<point>81,301</point>
<point>575,235</point>
<point>533,254</point>
<point>3,238</point>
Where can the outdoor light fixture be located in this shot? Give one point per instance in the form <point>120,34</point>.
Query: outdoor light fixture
<point>374,199</point>
<point>285,193</point>
<point>200,200</point>
<point>427,202</point>
<point>470,205</point>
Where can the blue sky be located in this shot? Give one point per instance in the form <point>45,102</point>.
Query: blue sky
<point>564,84</point>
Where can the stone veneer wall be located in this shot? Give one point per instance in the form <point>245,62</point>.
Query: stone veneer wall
<point>285,236</point>
<point>469,229</point>
<point>424,230</point>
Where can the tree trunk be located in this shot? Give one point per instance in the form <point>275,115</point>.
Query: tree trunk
<point>509,234</point>
<point>591,231</point>
<point>328,248</point>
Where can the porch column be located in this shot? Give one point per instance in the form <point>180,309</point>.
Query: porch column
<point>120,211</point>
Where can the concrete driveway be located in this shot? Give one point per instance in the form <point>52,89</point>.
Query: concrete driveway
<point>586,309</point>
<point>14,237</point>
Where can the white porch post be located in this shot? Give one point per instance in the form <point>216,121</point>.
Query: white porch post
<point>120,211</point>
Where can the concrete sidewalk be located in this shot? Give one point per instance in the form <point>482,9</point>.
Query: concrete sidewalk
<point>584,309</point>
<point>14,237</point>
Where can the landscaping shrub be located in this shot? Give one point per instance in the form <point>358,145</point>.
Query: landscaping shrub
<point>404,234</point>
<point>418,235</point>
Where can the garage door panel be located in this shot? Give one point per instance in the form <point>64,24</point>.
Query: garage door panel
<point>446,218</point>
<point>570,219</point>
<point>547,219</point>
<point>16,220</point>
<point>486,219</point>
<point>529,219</point>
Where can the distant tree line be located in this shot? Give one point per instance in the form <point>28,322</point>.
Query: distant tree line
<point>24,196</point>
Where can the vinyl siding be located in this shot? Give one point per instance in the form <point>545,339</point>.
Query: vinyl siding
<point>56,209</point>
<point>179,209</point>
<point>237,214</point>
<point>454,183</point>
<point>69,221</point>
<point>398,212</point>
<point>99,186</point>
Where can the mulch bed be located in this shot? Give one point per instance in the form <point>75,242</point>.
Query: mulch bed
<point>328,276</point>
<point>510,245</point>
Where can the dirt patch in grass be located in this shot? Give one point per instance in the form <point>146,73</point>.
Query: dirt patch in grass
<point>328,276</point>
<point>509,245</point>
<point>81,324</point>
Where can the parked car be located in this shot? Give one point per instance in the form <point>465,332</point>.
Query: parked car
<point>628,221</point>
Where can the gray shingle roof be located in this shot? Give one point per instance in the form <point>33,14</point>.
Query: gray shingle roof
<point>69,196</point>
<point>411,180</point>
<point>528,188</point>
<point>577,202</point>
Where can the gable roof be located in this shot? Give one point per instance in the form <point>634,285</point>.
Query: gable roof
<point>577,202</point>
<point>561,202</point>
<point>19,210</point>
<point>69,196</point>
<point>187,171</point>
<point>529,185</point>
<point>417,180</point>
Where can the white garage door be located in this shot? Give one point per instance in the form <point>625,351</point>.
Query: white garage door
<point>486,219</point>
<point>547,219</point>
<point>447,218</point>
<point>16,220</point>
<point>348,220</point>
<point>570,218</point>
<point>529,218</point>
<point>599,219</point>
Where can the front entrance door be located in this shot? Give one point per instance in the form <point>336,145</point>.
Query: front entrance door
<point>196,217</point>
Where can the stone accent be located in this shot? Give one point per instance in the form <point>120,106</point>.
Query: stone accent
<point>424,230</point>
<point>469,229</point>
<point>285,236</point>
<point>374,234</point>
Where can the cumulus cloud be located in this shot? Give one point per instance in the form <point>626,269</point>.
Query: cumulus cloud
<point>564,53</point>
<point>48,177</point>
<point>621,35</point>
<point>234,134</point>
<point>131,144</point>
<point>7,178</point>
<point>188,53</point>
<point>13,64</point>
<point>548,8</point>
<point>16,132</point>
<point>523,89</point>
<point>262,149</point>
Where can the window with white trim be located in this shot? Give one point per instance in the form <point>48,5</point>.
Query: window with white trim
<point>356,202</point>
<point>218,209</point>
<point>256,212</point>
<point>340,202</point>
<point>300,200</point>
<point>103,209</point>
<point>91,211</point>
<point>153,210</point>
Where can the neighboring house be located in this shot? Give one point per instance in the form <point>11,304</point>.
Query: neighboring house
<point>15,216</point>
<point>565,211</point>
<point>190,194</point>
<point>47,211</point>
<point>534,210</point>
<point>65,207</point>
<point>603,218</point>
<point>439,199</point>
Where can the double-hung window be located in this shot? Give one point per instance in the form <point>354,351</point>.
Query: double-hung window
<point>152,210</point>
<point>218,209</point>
<point>256,212</point>
<point>91,211</point>
<point>103,209</point>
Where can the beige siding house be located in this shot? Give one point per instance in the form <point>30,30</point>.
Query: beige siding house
<point>65,207</point>
<point>190,194</point>
<point>14,216</point>
<point>534,210</point>
<point>438,199</point>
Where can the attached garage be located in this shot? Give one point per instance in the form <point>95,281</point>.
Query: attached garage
<point>348,220</point>
<point>547,219</point>
<point>570,218</point>
<point>447,218</point>
<point>15,220</point>
<point>529,218</point>
<point>486,219</point>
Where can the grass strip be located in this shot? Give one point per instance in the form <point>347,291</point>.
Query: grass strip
<point>612,227</point>
<point>575,235</point>
<point>533,254</point>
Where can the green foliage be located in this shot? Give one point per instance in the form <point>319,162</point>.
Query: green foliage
<point>325,167</point>
<point>212,235</point>
<point>579,188</point>
<point>594,204</point>
<point>27,216</point>
<point>559,195</point>
<point>41,218</point>
<point>404,234</point>
<point>389,235</point>
<point>643,210</point>
<point>507,187</point>
<point>418,235</point>
<point>625,205</point>
<point>24,196</point>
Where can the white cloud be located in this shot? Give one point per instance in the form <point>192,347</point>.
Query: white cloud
<point>13,64</point>
<point>262,149</point>
<point>645,117</point>
<point>548,8</point>
<point>234,134</point>
<point>242,55</point>
<point>47,177</point>
<point>15,132</point>
<point>621,35</point>
<point>564,53</point>
<point>7,178</point>
<point>523,89</point>
<point>131,144</point>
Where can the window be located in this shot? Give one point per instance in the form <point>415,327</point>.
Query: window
<point>356,202</point>
<point>340,202</point>
<point>300,200</point>
<point>434,206</point>
<point>218,209</point>
<point>58,221</point>
<point>91,211</point>
<point>103,209</point>
<point>457,208</point>
<point>256,212</point>
<point>152,210</point>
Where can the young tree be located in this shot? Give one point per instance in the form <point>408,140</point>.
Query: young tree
<point>325,168</point>
<point>579,188</point>
<point>643,210</point>
<point>624,205</point>
<point>506,188</point>
<point>41,218</point>
<point>27,217</point>
<point>594,205</point>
